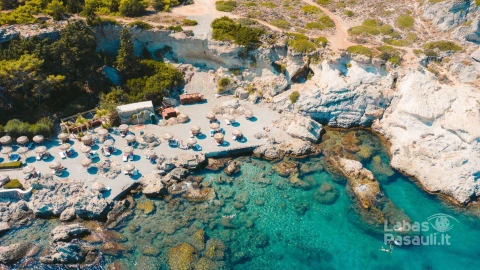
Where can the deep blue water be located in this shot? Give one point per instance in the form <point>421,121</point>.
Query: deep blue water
<point>277,226</point>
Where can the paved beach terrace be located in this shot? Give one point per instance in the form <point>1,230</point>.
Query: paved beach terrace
<point>196,112</point>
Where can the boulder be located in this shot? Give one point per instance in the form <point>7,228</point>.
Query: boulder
<point>152,185</point>
<point>183,256</point>
<point>66,233</point>
<point>15,252</point>
<point>326,194</point>
<point>4,227</point>
<point>66,253</point>
<point>241,93</point>
<point>68,214</point>
<point>301,127</point>
<point>179,173</point>
<point>120,211</point>
<point>232,167</point>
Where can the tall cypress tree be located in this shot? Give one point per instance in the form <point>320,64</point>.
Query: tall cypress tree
<point>127,63</point>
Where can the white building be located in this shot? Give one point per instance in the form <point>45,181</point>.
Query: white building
<point>136,113</point>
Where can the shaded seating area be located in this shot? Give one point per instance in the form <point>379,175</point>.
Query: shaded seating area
<point>128,154</point>
<point>42,153</point>
<point>66,151</point>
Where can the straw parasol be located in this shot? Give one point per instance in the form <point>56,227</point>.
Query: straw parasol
<point>129,167</point>
<point>22,140</point>
<point>130,138</point>
<point>38,138</point>
<point>128,149</point>
<point>168,136</point>
<point>5,140</point>
<point>40,149</point>
<point>22,150</point>
<point>248,114</point>
<point>62,136</point>
<point>54,165</point>
<point>86,149</point>
<point>28,169</point>
<point>149,153</point>
<point>86,162</point>
<point>7,150</point>
<point>182,118</point>
<point>211,116</point>
<point>123,127</point>
<point>99,186</point>
<point>236,132</point>
<point>108,143</point>
<point>214,126</point>
<point>102,132</point>
<point>65,146</point>
<point>218,136</point>
<point>4,178</point>
<point>195,129</point>
<point>192,141</point>
<point>86,138</point>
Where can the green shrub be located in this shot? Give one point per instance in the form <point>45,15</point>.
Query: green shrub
<point>187,22</point>
<point>14,183</point>
<point>359,49</point>
<point>225,6</point>
<point>443,45</point>
<point>321,41</point>
<point>226,29</point>
<point>280,23</point>
<point>250,4</point>
<point>294,96</point>
<point>405,21</point>
<point>175,28</point>
<point>323,2</point>
<point>301,45</point>
<point>223,82</point>
<point>323,23</point>
<point>23,14</point>
<point>132,8</point>
<point>348,13</point>
<point>389,54</point>
<point>268,5</point>
<point>311,10</point>
<point>140,25</point>
<point>10,165</point>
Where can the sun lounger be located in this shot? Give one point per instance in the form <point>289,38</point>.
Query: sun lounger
<point>29,145</point>
<point>14,157</point>
<point>62,155</point>
<point>227,122</point>
<point>125,158</point>
<point>135,172</point>
<point>28,176</point>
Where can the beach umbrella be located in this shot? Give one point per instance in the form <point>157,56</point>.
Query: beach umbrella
<point>4,178</point>
<point>54,165</point>
<point>172,120</point>
<point>192,141</point>
<point>102,132</point>
<point>248,114</point>
<point>214,126</point>
<point>218,136</point>
<point>86,162</point>
<point>22,140</point>
<point>211,116</point>
<point>236,132</point>
<point>129,167</point>
<point>65,146</point>
<point>168,136</point>
<point>123,127</point>
<point>86,139</point>
<point>149,153</point>
<point>182,118</point>
<point>128,149</point>
<point>99,186</point>
<point>230,117</point>
<point>195,129</point>
<point>22,150</point>
<point>130,138</point>
<point>40,149</point>
<point>7,150</point>
<point>108,143</point>
<point>38,138</point>
<point>86,149</point>
<point>62,136</point>
<point>28,169</point>
<point>5,140</point>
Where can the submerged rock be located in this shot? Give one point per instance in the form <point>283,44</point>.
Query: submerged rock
<point>15,252</point>
<point>215,249</point>
<point>197,240</point>
<point>232,167</point>
<point>286,167</point>
<point>181,257</point>
<point>147,206</point>
<point>68,232</point>
<point>326,194</point>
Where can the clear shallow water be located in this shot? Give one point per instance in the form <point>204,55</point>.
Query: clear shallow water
<point>277,226</point>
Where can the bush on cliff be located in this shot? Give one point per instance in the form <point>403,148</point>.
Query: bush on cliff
<point>225,6</point>
<point>132,8</point>
<point>294,96</point>
<point>225,28</point>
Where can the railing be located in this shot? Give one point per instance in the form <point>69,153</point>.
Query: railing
<point>14,193</point>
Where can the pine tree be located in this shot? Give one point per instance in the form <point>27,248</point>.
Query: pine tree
<point>127,63</point>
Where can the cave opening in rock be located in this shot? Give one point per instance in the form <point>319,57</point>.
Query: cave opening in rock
<point>303,75</point>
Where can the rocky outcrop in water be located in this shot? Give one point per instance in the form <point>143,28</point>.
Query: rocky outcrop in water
<point>16,252</point>
<point>300,127</point>
<point>56,195</point>
<point>68,232</point>
<point>434,135</point>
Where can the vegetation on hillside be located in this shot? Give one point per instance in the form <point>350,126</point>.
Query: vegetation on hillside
<point>359,49</point>
<point>225,28</point>
<point>302,44</point>
<point>225,6</point>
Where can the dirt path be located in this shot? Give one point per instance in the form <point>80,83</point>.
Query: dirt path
<point>339,40</point>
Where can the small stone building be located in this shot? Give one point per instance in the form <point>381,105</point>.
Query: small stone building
<point>136,113</point>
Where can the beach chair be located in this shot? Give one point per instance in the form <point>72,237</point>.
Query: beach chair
<point>62,155</point>
<point>212,132</point>
<point>28,176</point>
<point>197,147</point>
<point>14,157</point>
<point>125,158</point>
<point>227,122</point>
<point>135,172</point>
<point>29,145</point>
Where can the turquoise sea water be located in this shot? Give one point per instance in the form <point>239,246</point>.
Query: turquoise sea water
<point>277,226</point>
